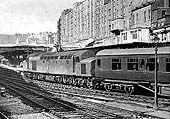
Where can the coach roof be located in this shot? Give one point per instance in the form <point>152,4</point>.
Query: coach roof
<point>134,51</point>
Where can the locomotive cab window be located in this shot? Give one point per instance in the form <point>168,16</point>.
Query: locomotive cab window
<point>168,65</point>
<point>150,65</point>
<point>77,59</point>
<point>69,56</point>
<point>116,64</point>
<point>83,68</point>
<point>132,64</point>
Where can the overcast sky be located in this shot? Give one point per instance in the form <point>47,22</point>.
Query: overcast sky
<point>31,16</point>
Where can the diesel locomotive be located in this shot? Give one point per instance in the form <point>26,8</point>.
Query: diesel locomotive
<point>110,69</point>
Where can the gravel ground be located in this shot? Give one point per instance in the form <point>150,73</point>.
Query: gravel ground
<point>14,108</point>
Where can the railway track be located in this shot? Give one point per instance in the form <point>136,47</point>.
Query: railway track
<point>76,95</point>
<point>107,96</point>
<point>50,104</point>
<point>3,116</point>
<point>36,98</point>
<point>86,109</point>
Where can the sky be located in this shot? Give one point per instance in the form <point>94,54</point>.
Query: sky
<point>31,16</point>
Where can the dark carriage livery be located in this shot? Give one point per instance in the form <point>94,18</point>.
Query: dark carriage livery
<point>132,67</point>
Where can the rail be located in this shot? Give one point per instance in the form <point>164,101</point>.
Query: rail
<point>3,116</point>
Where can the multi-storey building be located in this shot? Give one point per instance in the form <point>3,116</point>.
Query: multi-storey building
<point>140,23</point>
<point>161,19</point>
<point>115,21</point>
<point>66,25</point>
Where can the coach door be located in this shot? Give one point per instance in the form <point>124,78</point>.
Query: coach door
<point>142,64</point>
<point>141,70</point>
<point>73,64</point>
<point>47,64</point>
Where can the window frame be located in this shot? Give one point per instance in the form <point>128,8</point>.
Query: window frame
<point>151,64</point>
<point>116,62</point>
<point>132,64</point>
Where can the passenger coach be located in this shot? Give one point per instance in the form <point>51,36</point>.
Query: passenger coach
<point>126,68</point>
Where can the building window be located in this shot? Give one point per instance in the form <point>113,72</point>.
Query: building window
<point>150,64</point>
<point>144,16</point>
<point>149,14</point>
<point>134,34</point>
<point>132,64</point>
<point>133,19</point>
<point>168,65</point>
<point>116,64</point>
<point>137,18</point>
<point>124,36</point>
<point>163,13</point>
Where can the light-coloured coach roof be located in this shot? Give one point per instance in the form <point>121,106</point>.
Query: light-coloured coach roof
<point>134,51</point>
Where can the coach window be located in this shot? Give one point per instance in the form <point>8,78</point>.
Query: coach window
<point>132,64</point>
<point>150,64</point>
<point>99,63</point>
<point>141,64</point>
<point>116,64</point>
<point>168,65</point>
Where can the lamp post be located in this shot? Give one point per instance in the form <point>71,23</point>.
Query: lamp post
<point>156,40</point>
<point>156,78</point>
